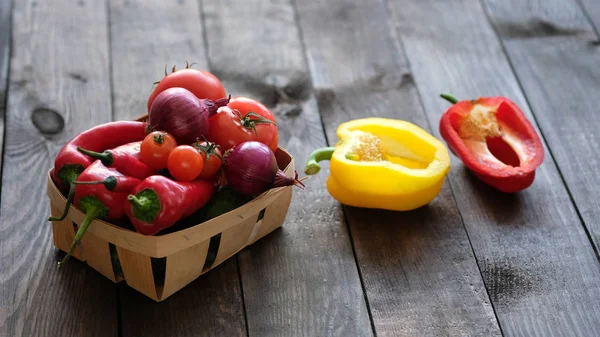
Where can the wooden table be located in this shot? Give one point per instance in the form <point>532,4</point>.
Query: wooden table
<point>474,262</point>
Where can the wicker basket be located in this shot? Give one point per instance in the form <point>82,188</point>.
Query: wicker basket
<point>158,266</point>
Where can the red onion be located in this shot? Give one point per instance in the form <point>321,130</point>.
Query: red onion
<point>251,169</point>
<point>180,113</point>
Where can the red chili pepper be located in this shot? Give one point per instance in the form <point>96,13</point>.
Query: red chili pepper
<point>125,158</point>
<point>69,162</point>
<point>494,139</point>
<point>158,202</point>
<point>93,197</point>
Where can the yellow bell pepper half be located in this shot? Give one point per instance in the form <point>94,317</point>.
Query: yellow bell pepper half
<point>383,163</point>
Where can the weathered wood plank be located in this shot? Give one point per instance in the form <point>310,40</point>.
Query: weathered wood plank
<point>209,306</point>
<point>301,280</point>
<point>558,70</point>
<point>146,35</point>
<point>537,263</point>
<point>414,286</point>
<point>59,86</point>
<point>5,29</point>
<point>592,8</point>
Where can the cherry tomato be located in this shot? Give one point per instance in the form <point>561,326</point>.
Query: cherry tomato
<point>185,163</point>
<point>201,83</point>
<point>213,158</point>
<point>244,119</point>
<point>156,147</point>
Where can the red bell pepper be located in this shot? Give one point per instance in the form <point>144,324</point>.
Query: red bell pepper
<point>494,139</point>
<point>125,158</point>
<point>69,162</point>
<point>96,200</point>
<point>158,202</point>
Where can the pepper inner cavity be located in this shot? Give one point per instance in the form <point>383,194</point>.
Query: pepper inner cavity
<point>367,147</point>
<point>481,125</point>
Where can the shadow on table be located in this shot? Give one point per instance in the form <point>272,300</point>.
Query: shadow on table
<point>210,305</point>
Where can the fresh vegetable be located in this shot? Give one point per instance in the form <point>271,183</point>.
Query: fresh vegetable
<point>212,156</point>
<point>125,159</point>
<point>183,115</point>
<point>113,183</point>
<point>97,201</point>
<point>158,202</point>
<point>243,120</point>
<point>494,139</point>
<point>383,163</point>
<point>225,200</point>
<point>251,169</point>
<point>201,83</point>
<point>156,148</point>
<point>69,162</point>
<point>185,163</point>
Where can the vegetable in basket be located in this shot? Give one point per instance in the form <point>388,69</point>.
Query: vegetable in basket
<point>251,169</point>
<point>242,120</point>
<point>69,162</point>
<point>126,159</point>
<point>159,202</point>
<point>383,163</point>
<point>201,83</point>
<point>494,139</point>
<point>97,201</point>
<point>183,115</point>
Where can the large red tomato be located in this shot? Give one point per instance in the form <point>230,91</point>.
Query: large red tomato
<point>201,83</point>
<point>243,119</point>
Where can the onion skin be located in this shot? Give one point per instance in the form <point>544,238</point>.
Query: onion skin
<point>179,112</point>
<point>251,169</point>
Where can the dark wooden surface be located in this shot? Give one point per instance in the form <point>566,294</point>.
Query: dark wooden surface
<point>474,262</point>
<point>59,85</point>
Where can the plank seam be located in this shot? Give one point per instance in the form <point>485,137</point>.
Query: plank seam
<point>588,17</point>
<point>560,173</point>
<point>323,129</point>
<point>237,263</point>
<point>112,117</point>
<point>400,46</point>
<point>4,106</point>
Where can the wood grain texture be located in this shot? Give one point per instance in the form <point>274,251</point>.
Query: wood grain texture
<point>58,87</point>
<point>209,306</point>
<point>300,280</point>
<point>146,35</point>
<point>538,264</point>
<point>560,76</point>
<point>5,30</point>
<point>418,269</point>
<point>592,9</point>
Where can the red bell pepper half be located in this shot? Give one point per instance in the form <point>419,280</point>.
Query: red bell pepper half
<point>494,139</point>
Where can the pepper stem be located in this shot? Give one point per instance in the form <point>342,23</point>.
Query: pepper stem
<point>141,203</point>
<point>312,164</point>
<point>449,98</point>
<point>145,205</point>
<point>105,157</point>
<point>93,209</point>
<point>70,197</point>
<point>110,182</point>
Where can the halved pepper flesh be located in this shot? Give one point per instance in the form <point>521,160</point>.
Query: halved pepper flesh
<point>494,139</point>
<point>384,164</point>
